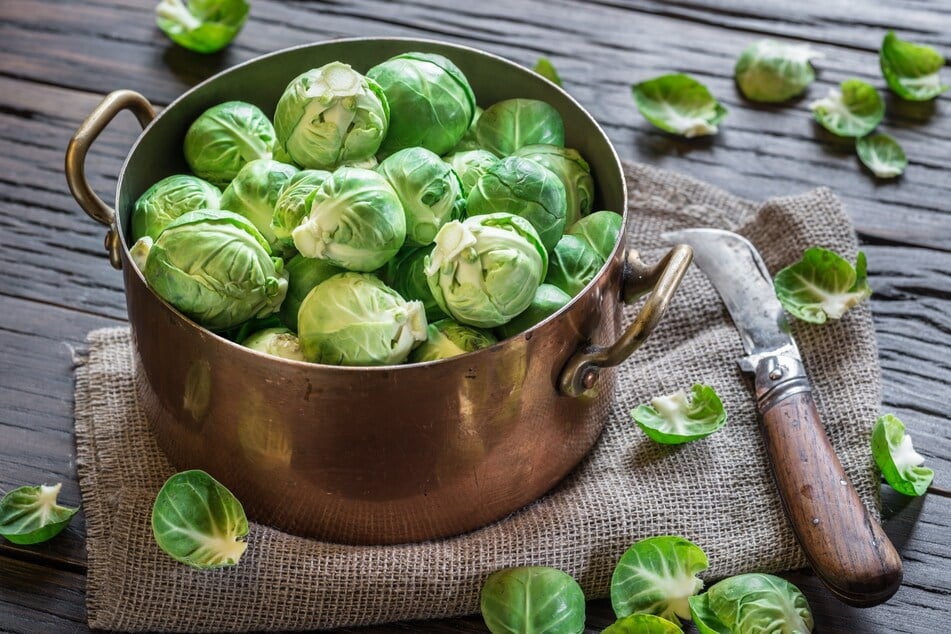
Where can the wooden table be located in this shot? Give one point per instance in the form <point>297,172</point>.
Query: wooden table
<point>57,59</point>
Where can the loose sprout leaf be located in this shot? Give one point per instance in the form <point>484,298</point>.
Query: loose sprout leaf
<point>642,624</point>
<point>897,458</point>
<point>911,70</point>
<point>703,616</point>
<point>757,603</point>
<point>882,154</point>
<point>655,576</point>
<point>203,26</point>
<point>532,599</point>
<point>822,285</point>
<point>769,71</point>
<point>679,104</point>
<point>851,110</point>
<point>30,514</point>
<point>198,522</point>
<point>673,419</point>
<point>546,69</point>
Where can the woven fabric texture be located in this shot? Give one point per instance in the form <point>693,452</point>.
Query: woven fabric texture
<point>717,492</point>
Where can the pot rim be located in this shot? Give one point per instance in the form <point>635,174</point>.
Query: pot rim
<point>127,256</point>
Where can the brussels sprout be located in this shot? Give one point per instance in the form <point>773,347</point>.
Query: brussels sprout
<point>226,137</point>
<point>769,71</point>
<point>278,342</point>
<point>140,252</point>
<point>292,206</point>
<point>367,163</point>
<point>897,458</point>
<point>303,275</point>
<point>572,265</point>
<point>406,275</point>
<point>679,104</point>
<point>168,199</point>
<point>822,285</point>
<point>431,102</point>
<point>599,230</point>
<point>485,271</point>
<point>673,420</point>
<point>446,338</point>
<point>532,599</point>
<point>469,141</point>
<point>199,522</point>
<point>656,575</point>
<point>215,267</point>
<point>508,125</point>
<point>911,70</point>
<point>240,333</point>
<point>203,26</point>
<point>355,319</point>
<point>547,301</point>
<point>356,221</point>
<point>329,116</point>
<point>752,603</point>
<point>254,192</point>
<point>642,624</point>
<point>546,69</point>
<point>30,515</point>
<point>575,175</point>
<point>470,166</point>
<point>428,189</point>
<point>853,110</point>
<point>522,187</point>
<point>882,155</point>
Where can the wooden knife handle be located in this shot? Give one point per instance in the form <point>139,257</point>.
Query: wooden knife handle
<point>846,547</point>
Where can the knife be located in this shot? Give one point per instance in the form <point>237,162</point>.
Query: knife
<point>846,548</point>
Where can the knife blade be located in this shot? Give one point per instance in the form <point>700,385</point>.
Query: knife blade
<point>845,546</point>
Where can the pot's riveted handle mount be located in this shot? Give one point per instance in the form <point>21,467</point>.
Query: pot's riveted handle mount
<point>662,279</point>
<point>88,131</point>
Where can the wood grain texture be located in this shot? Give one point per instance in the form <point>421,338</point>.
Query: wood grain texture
<point>845,547</point>
<point>58,60</point>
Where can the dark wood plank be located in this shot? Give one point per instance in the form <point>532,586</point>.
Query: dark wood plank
<point>36,412</point>
<point>40,599</point>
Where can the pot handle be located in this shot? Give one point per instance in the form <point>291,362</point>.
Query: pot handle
<point>582,370</point>
<point>88,131</point>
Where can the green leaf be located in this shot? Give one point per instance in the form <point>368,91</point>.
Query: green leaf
<point>655,576</point>
<point>30,514</point>
<point>198,522</point>
<point>642,624</point>
<point>757,603</point>
<point>674,420</point>
<point>678,104</point>
<point>704,617</point>
<point>203,26</point>
<point>852,110</point>
<point>911,70</point>
<point>822,285</point>
<point>546,69</point>
<point>532,599</point>
<point>882,154</point>
<point>897,458</point>
<point>769,71</point>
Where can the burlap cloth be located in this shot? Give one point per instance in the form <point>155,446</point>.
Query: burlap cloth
<point>716,492</point>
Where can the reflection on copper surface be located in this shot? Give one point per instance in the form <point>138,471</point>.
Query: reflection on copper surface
<point>197,393</point>
<point>265,441</point>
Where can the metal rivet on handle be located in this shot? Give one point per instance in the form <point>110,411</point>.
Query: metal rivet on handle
<point>776,374</point>
<point>589,379</point>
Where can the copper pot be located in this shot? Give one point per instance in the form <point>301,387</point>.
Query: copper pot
<point>384,454</point>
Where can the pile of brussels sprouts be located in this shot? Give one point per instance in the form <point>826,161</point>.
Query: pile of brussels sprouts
<point>381,218</point>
